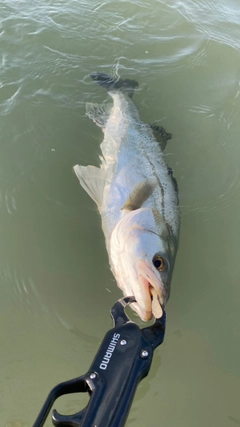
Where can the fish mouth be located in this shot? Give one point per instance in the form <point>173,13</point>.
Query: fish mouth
<point>151,295</point>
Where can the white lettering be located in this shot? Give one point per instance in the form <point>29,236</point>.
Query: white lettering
<point>116,336</point>
<point>109,352</point>
<point>103,366</point>
<point>108,355</point>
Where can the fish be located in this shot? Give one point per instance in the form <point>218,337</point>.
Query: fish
<point>137,197</point>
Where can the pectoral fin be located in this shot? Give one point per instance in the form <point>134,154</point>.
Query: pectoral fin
<point>92,179</point>
<point>140,193</point>
<point>99,113</point>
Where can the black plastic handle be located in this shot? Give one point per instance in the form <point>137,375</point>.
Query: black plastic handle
<point>122,361</point>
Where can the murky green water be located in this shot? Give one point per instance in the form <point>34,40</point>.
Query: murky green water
<point>55,285</point>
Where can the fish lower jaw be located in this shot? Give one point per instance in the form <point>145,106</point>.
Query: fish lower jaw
<point>144,315</point>
<point>160,295</point>
<point>158,302</point>
<point>150,299</point>
<point>154,297</point>
<point>150,308</point>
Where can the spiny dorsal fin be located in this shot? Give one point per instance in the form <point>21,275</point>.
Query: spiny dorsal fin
<point>140,193</point>
<point>92,179</point>
<point>98,113</point>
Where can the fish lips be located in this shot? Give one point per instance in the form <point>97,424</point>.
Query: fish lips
<point>150,293</point>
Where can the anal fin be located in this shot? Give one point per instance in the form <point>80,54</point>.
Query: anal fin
<point>99,113</point>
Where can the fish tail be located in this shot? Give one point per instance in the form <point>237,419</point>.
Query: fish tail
<point>110,84</point>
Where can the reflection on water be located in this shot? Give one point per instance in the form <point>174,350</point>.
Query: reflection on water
<point>56,287</point>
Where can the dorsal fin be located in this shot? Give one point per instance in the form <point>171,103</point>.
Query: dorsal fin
<point>92,179</point>
<point>140,193</point>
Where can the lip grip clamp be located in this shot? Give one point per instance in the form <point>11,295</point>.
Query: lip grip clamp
<point>122,361</point>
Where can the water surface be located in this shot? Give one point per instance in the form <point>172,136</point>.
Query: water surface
<point>55,285</point>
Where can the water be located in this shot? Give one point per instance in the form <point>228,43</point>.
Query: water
<point>56,287</point>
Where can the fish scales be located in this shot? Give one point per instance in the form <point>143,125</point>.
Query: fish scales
<point>137,199</point>
<point>128,145</point>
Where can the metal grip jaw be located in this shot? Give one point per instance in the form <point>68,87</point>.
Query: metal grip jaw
<point>122,361</point>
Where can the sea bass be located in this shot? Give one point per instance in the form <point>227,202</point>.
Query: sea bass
<point>137,198</point>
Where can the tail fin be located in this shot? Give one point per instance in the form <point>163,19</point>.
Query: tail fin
<point>109,83</point>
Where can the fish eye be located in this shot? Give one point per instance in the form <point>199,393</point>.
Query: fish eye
<point>159,263</point>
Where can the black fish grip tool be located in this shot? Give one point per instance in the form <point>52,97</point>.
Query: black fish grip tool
<point>122,361</point>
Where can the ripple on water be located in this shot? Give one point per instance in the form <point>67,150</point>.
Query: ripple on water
<point>218,21</point>
<point>9,96</point>
<point>25,294</point>
<point>23,288</point>
<point>8,199</point>
<point>215,201</point>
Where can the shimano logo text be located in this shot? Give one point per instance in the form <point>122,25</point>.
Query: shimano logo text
<point>109,352</point>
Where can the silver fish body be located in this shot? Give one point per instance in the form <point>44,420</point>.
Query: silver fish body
<point>137,199</point>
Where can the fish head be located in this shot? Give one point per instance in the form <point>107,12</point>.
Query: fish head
<point>142,258</point>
